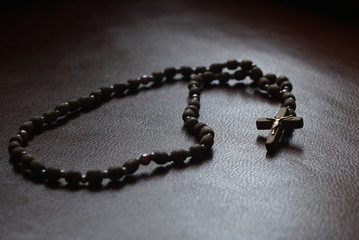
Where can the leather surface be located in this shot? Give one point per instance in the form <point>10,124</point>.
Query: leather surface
<point>52,52</point>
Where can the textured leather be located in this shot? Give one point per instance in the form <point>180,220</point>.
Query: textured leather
<point>52,52</point>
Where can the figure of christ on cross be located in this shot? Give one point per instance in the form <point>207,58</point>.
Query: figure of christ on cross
<point>277,126</point>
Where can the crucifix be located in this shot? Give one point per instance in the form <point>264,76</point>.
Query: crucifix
<point>277,125</point>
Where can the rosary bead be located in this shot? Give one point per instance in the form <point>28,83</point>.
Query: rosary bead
<point>188,113</point>
<point>25,160</point>
<point>145,159</point>
<point>94,177</point>
<point>158,77</point>
<point>28,127</point>
<point>36,167</point>
<point>160,158</point>
<point>193,108</point>
<point>186,71</point>
<point>198,79</point>
<point>200,69</point>
<point>86,102</point>
<point>120,88</point>
<point>170,72</point>
<point>193,83</point>
<point>178,156</point>
<point>246,65</point>
<point>131,165</point>
<point>273,90</point>
<point>74,104</point>
<point>216,67</point>
<point>281,79</point>
<point>291,112</point>
<point>224,77</point>
<point>97,95</point>
<point>115,173</point>
<point>51,116</point>
<point>197,128</point>
<point>24,136</point>
<point>106,91</point>
<point>255,74</point>
<point>208,77</point>
<point>190,123</point>
<point>145,79</point>
<point>37,122</point>
<point>271,77</point>
<point>232,64</point>
<point>290,102</point>
<point>263,82</point>
<point>17,153</point>
<point>207,140</point>
<point>240,75</point>
<point>286,85</point>
<point>73,177</point>
<point>133,84</point>
<point>194,102</point>
<point>52,174</point>
<point>197,150</point>
<point>12,145</point>
<point>205,130</point>
<point>287,95</point>
<point>62,108</point>
<point>17,138</point>
<point>194,90</point>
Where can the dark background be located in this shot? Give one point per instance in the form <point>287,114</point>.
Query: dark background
<point>53,51</point>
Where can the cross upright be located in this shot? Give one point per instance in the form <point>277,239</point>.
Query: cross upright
<point>277,125</point>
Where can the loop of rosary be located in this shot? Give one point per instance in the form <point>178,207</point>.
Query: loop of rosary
<point>199,77</point>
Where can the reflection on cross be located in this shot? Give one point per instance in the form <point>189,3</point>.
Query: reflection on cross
<point>277,125</point>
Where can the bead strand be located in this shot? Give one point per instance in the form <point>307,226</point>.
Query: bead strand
<point>199,77</point>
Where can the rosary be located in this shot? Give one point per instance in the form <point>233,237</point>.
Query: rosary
<point>276,87</point>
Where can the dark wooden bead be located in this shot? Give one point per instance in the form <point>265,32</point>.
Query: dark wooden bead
<point>52,174</point>
<point>290,102</point>
<point>51,116</point>
<point>197,128</point>
<point>232,64</point>
<point>291,112</point>
<point>198,78</point>
<point>160,157</point>
<point>281,79</point>
<point>246,65</point>
<point>133,84</point>
<point>273,91</point>
<point>188,113</point>
<point>170,72</point>
<point>286,85</point>
<point>17,153</point>
<point>97,94</point>
<point>193,108</point>
<point>200,69</point>
<point>38,122</point>
<point>17,138</point>
<point>26,159</point>
<point>63,108</point>
<point>216,67</point>
<point>208,77</point>
<point>12,145</point>
<point>271,77</point>
<point>73,177</point>
<point>263,82</point>
<point>36,167</point>
<point>158,77</point>
<point>207,140</point>
<point>179,155</point>
<point>74,104</point>
<point>194,90</point>
<point>255,74</point>
<point>205,130</point>
<point>186,71</point>
<point>115,173</point>
<point>190,123</point>
<point>194,102</point>
<point>197,150</point>
<point>131,165</point>
<point>120,88</point>
<point>106,91</point>
<point>146,79</point>
<point>86,102</point>
<point>193,83</point>
<point>25,137</point>
<point>145,159</point>
<point>94,177</point>
<point>224,77</point>
<point>240,75</point>
<point>287,95</point>
<point>28,127</point>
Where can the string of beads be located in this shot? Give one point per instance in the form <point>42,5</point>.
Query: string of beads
<point>199,77</point>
